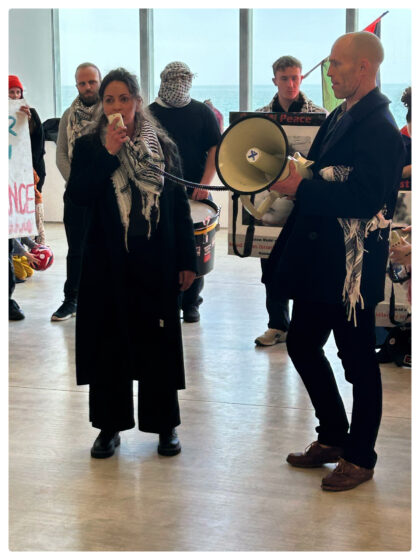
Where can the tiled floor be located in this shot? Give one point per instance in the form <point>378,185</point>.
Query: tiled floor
<point>243,411</point>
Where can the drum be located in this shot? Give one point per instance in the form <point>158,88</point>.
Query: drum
<point>205,215</point>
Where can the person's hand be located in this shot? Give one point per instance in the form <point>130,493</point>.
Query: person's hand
<point>32,259</point>
<point>186,278</point>
<point>406,172</point>
<point>290,185</point>
<point>401,254</point>
<point>115,137</point>
<point>25,109</point>
<point>199,194</point>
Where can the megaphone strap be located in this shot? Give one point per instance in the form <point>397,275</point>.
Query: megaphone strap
<point>186,183</point>
<point>249,236</point>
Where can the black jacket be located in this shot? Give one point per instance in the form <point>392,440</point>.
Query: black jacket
<point>36,133</point>
<point>308,259</point>
<point>103,309</point>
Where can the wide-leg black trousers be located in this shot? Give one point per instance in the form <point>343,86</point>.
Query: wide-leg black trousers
<point>111,405</point>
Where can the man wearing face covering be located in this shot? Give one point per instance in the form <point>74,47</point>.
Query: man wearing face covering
<point>194,128</point>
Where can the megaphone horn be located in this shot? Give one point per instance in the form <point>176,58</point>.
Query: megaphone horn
<point>253,155</point>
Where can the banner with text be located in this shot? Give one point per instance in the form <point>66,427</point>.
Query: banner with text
<point>21,177</point>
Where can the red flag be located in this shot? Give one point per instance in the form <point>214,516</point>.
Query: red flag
<point>372,26</point>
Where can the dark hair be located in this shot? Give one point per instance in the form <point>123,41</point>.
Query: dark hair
<point>286,62</point>
<point>87,65</point>
<point>122,75</point>
<point>406,99</point>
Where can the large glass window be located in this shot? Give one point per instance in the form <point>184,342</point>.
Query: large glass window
<point>304,34</point>
<point>206,40</point>
<point>396,67</point>
<point>108,38</point>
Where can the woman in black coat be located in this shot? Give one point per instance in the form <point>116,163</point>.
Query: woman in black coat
<point>139,254</point>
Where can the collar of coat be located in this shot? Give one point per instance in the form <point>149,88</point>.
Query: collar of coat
<point>363,108</point>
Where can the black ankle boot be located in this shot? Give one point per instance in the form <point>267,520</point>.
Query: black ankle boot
<point>105,444</point>
<point>169,443</point>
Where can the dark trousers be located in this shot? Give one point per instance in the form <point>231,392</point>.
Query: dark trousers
<point>12,277</point>
<point>278,309</point>
<point>111,393</point>
<point>309,330</point>
<point>192,296</point>
<point>111,406</point>
<point>75,227</point>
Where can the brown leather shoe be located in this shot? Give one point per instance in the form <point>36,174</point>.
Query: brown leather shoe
<point>315,455</point>
<point>345,476</point>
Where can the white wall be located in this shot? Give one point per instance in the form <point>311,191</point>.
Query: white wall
<point>31,57</point>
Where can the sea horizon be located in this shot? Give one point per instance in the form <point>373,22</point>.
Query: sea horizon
<point>226,97</point>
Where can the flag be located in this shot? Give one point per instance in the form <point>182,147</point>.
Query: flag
<point>329,101</point>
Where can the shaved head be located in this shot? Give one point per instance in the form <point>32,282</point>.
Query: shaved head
<point>354,63</point>
<point>363,44</point>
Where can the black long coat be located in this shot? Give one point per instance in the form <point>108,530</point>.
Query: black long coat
<point>308,260</point>
<point>104,313</point>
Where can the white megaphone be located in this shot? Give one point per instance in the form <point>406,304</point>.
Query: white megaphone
<point>253,155</point>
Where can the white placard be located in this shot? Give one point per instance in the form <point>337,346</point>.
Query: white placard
<point>21,177</point>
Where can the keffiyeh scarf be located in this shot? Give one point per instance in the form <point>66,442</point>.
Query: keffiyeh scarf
<point>355,231</point>
<point>134,157</point>
<point>307,107</point>
<point>176,82</point>
<point>81,121</point>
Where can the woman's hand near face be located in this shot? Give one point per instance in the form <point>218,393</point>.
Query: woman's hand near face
<point>115,137</point>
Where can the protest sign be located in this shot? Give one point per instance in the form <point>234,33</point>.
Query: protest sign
<point>21,177</point>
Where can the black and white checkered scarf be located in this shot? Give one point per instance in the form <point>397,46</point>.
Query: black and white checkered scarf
<point>81,120</point>
<point>176,82</point>
<point>355,231</point>
<point>308,106</point>
<point>134,157</point>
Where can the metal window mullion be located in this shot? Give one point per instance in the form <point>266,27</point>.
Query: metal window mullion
<point>245,59</point>
<point>55,35</point>
<point>146,54</point>
<point>352,20</point>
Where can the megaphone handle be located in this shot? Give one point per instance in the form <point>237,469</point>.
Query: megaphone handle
<point>262,208</point>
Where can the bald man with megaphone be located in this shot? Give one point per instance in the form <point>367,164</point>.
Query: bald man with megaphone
<point>331,256</point>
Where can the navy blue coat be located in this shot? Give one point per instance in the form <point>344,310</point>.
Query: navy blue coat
<point>308,260</point>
